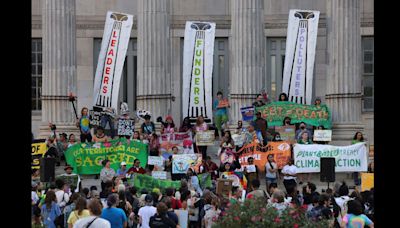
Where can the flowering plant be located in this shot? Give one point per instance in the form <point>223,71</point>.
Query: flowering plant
<point>255,213</point>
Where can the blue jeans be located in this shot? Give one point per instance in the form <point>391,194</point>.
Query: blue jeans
<point>269,180</point>
<point>107,119</point>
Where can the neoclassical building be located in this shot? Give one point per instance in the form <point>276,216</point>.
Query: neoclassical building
<point>249,54</point>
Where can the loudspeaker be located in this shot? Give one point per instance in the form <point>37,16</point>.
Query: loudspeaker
<point>47,169</point>
<point>327,173</point>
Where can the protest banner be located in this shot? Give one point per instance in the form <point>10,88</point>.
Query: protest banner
<point>155,160</point>
<point>162,175</point>
<point>182,140</point>
<point>182,162</point>
<point>301,43</point>
<point>247,113</point>
<point>198,50</point>
<point>126,127</point>
<point>117,30</point>
<point>38,151</point>
<point>205,138</point>
<point>238,178</point>
<point>275,112</point>
<point>287,133</point>
<point>86,158</point>
<point>322,135</point>
<point>367,181</point>
<point>348,158</point>
<point>224,103</point>
<point>141,181</point>
<point>280,150</point>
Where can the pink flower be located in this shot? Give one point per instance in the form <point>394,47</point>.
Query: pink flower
<point>250,196</point>
<point>253,219</point>
<point>107,144</point>
<point>228,205</point>
<point>263,210</point>
<point>277,220</point>
<point>223,213</point>
<point>295,225</point>
<point>304,206</point>
<point>214,219</point>
<point>236,218</point>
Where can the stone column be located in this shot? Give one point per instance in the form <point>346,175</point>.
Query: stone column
<point>344,61</point>
<point>154,78</point>
<point>59,65</point>
<point>247,44</point>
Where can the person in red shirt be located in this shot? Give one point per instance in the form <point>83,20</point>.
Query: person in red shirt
<point>136,168</point>
<point>175,204</point>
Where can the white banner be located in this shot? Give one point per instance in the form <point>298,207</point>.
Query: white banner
<point>117,31</point>
<point>300,55</point>
<point>162,175</point>
<point>348,158</point>
<point>198,53</point>
<point>323,135</point>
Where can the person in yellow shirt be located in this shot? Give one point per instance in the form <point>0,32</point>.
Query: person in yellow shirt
<point>79,212</point>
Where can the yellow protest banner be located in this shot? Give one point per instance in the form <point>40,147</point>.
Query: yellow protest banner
<point>367,181</point>
<point>38,150</point>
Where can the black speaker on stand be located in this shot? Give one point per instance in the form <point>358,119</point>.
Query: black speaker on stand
<point>47,169</point>
<point>327,173</point>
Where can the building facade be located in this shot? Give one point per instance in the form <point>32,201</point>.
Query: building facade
<point>249,54</point>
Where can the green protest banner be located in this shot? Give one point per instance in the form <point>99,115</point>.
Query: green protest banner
<point>313,115</point>
<point>71,180</point>
<point>86,158</point>
<point>141,181</point>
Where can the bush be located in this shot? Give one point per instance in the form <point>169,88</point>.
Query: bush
<point>255,213</point>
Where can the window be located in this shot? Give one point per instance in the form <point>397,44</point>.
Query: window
<point>275,63</point>
<point>368,73</point>
<point>36,60</point>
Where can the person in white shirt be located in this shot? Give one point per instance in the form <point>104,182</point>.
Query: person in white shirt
<point>271,171</point>
<point>146,212</point>
<point>290,174</point>
<point>62,193</point>
<point>94,220</point>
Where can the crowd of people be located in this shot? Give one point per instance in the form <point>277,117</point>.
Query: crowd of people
<point>118,204</point>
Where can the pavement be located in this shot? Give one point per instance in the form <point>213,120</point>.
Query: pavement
<point>90,180</point>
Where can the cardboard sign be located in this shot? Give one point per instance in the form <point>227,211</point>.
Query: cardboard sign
<point>287,133</point>
<point>224,186</point>
<point>162,175</point>
<point>323,135</point>
<point>367,181</point>
<point>224,103</point>
<point>205,138</point>
<point>126,127</point>
<point>155,160</point>
<point>247,113</point>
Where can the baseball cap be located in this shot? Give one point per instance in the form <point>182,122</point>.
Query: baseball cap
<point>123,163</point>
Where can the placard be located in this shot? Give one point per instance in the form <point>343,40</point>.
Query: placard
<point>162,175</point>
<point>182,162</point>
<point>323,135</point>
<point>95,117</point>
<point>238,139</point>
<point>126,127</point>
<point>250,168</point>
<point>287,133</point>
<point>205,138</point>
<point>224,103</point>
<point>247,113</point>
<point>155,160</point>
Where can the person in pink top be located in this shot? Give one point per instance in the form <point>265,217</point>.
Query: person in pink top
<point>200,127</point>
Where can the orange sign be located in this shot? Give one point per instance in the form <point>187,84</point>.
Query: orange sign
<point>223,103</point>
<point>281,151</point>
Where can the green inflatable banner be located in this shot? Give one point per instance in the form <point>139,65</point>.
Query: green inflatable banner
<point>275,112</point>
<point>141,181</point>
<point>86,158</point>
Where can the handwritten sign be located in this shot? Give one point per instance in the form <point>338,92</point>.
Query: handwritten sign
<point>223,103</point>
<point>155,160</point>
<point>182,162</point>
<point>250,168</point>
<point>95,117</point>
<point>162,175</point>
<point>287,133</point>
<point>323,135</point>
<point>238,139</point>
<point>126,127</point>
<point>205,138</point>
